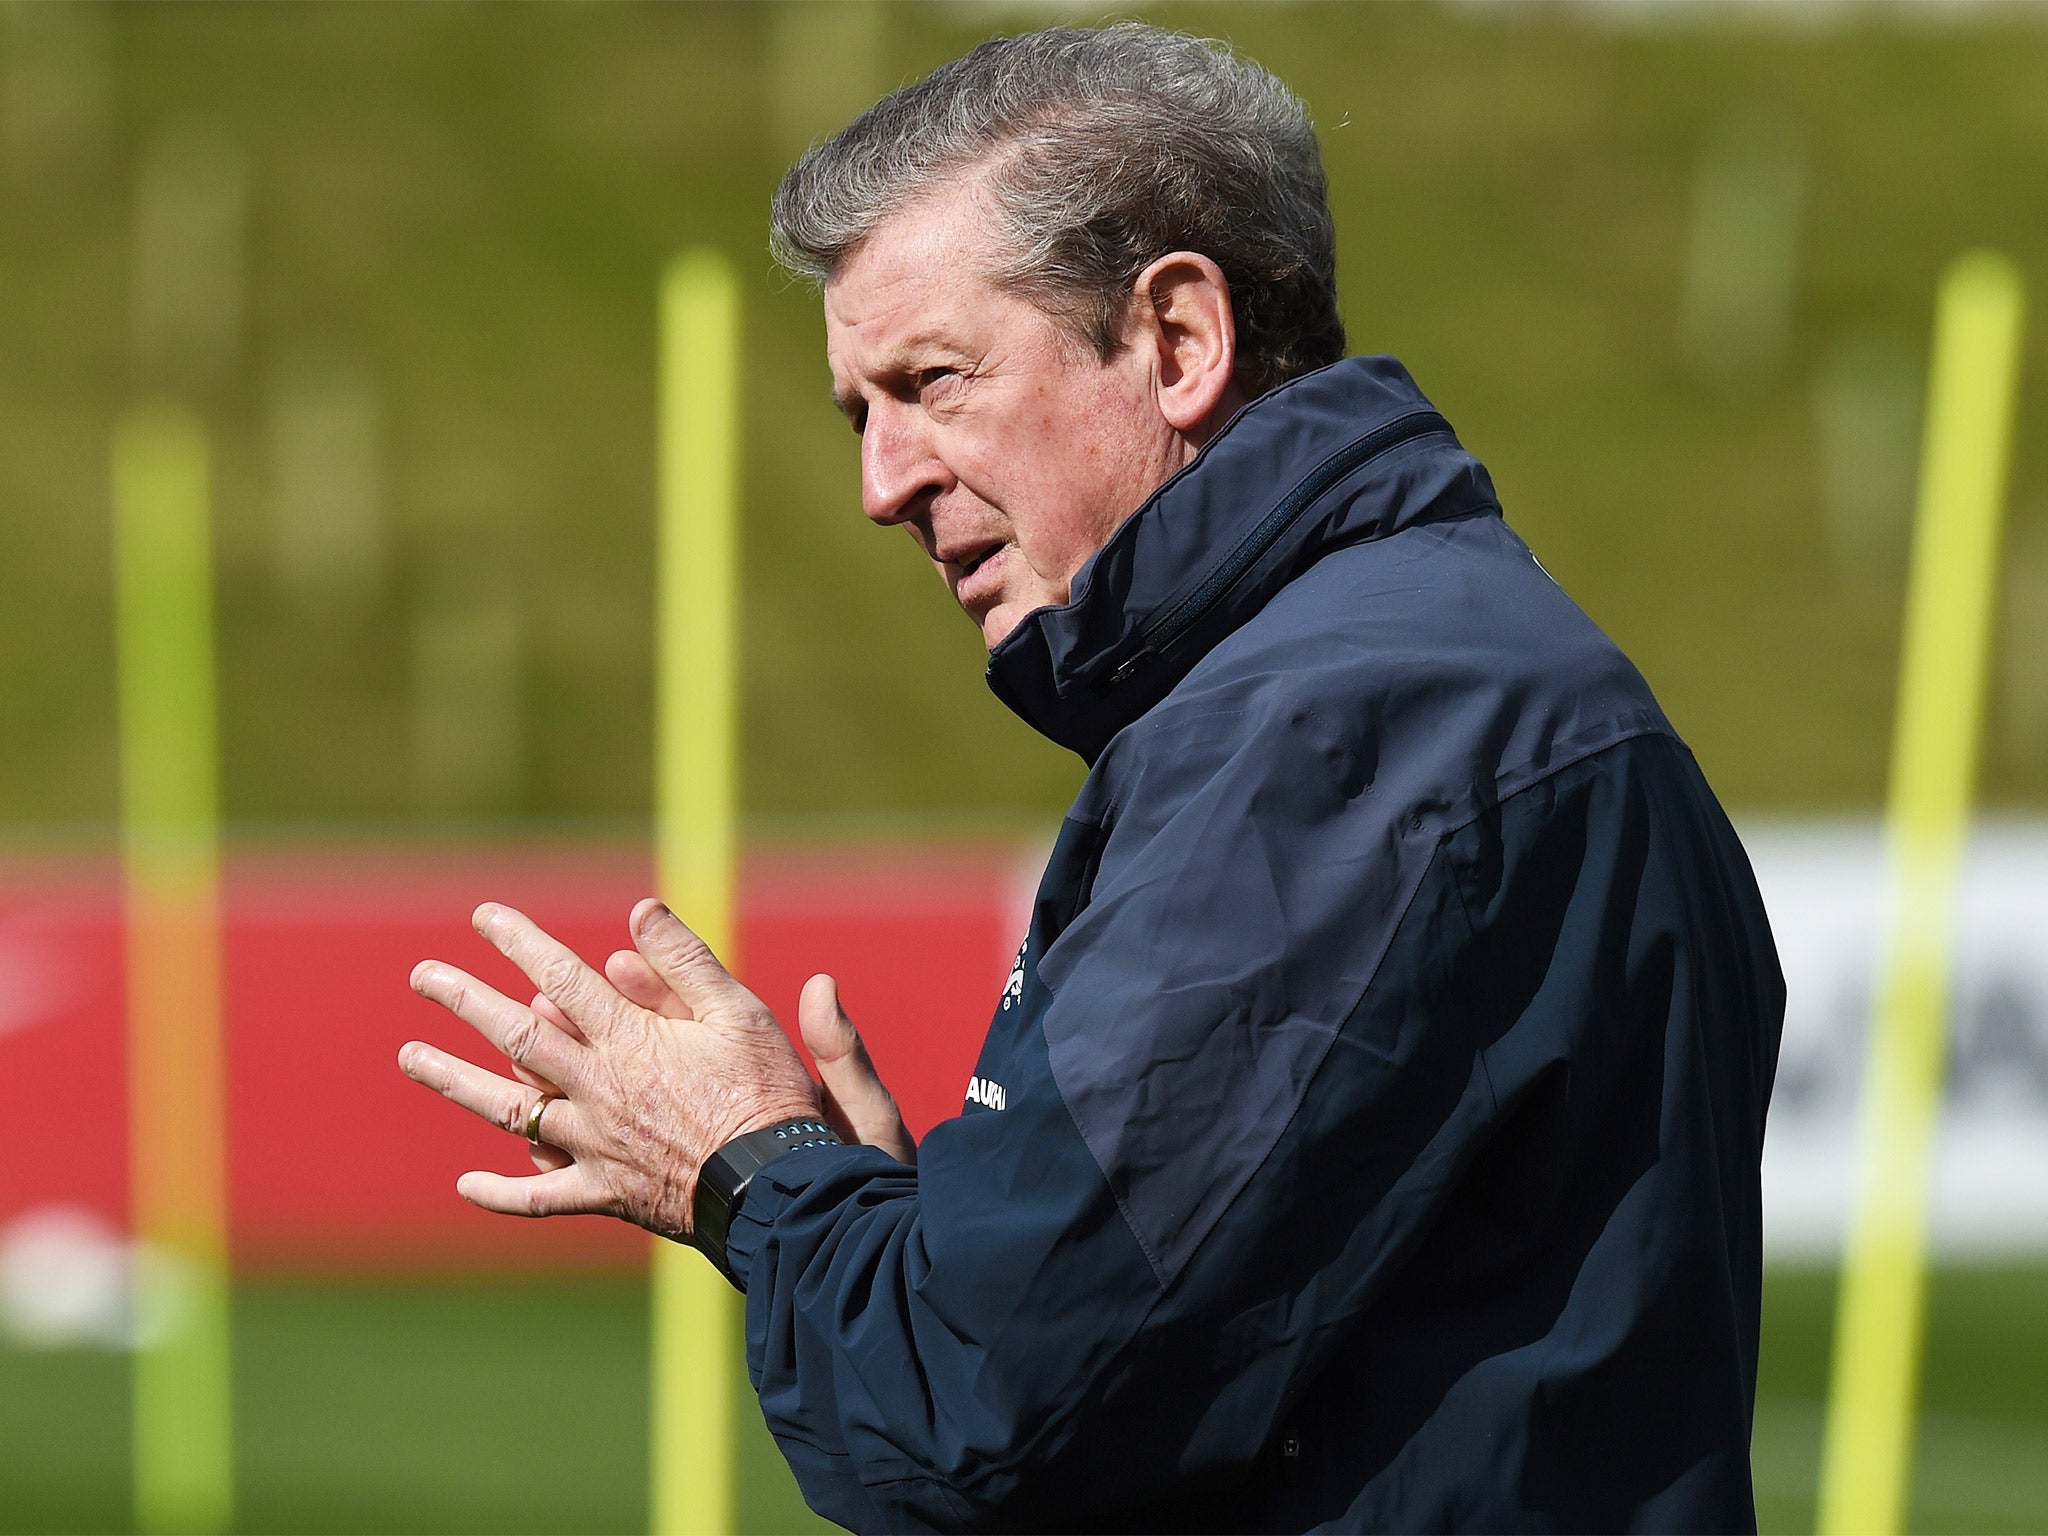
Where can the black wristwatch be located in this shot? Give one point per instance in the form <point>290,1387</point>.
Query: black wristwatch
<point>727,1172</point>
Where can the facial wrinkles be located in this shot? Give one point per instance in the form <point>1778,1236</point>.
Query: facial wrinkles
<point>918,478</point>
<point>1009,453</point>
<point>916,300</point>
<point>917,440</point>
<point>962,452</point>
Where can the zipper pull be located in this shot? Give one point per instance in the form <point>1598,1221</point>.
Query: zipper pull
<point>1127,666</point>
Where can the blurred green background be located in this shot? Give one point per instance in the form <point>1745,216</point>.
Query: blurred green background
<point>1668,270</point>
<point>422,241</point>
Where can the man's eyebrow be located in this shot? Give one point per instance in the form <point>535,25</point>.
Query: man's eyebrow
<point>902,362</point>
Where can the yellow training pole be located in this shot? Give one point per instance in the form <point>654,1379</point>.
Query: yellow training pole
<point>163,613</point>
<point>698,1326</point>
<point>1866,1458</point>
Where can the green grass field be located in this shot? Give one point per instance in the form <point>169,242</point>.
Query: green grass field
<point>390,1405</point>
<point>517,1406</point>
<point>1983,1452</point>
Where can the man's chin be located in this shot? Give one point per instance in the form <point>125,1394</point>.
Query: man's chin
<point>996,627</point>
<point>1001,619</point>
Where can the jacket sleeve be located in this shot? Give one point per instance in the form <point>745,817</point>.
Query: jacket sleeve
<point>1014,1335</point>
<point>926,1342</point>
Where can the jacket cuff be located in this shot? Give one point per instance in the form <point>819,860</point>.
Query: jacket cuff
<point>767,1195</point>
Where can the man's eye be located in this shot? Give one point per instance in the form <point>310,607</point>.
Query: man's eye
<point>933,378</point>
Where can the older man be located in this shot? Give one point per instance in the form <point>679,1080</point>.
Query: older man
<point>1368,1134</point>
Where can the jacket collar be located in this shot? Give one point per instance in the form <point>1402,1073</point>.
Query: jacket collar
<point>1349,453</point>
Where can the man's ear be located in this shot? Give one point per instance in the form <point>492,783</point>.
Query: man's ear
<point>1181,312</point>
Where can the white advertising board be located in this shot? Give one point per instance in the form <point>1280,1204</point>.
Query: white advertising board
<point>1823,883</point>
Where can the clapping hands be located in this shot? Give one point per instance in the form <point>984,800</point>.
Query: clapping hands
<point>640,1073</point>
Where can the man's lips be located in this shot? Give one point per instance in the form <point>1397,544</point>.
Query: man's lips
<point>981,575</point>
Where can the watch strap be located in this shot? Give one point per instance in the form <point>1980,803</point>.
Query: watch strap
<point>727,1172</point>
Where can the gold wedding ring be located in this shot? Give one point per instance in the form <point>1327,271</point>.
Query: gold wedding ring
<point>540,1107</point>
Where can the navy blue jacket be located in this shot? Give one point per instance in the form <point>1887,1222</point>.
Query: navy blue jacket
<point>1368,1136</point>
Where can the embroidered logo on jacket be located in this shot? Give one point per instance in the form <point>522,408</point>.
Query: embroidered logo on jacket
<point>1013,989</point>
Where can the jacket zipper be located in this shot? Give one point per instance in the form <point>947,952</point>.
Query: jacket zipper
<point>1163,631</point>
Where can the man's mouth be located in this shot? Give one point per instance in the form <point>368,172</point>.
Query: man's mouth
<point>973,589</point>
<point>971,559</point>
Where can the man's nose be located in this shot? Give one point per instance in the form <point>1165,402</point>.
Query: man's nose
<point>898,468</point>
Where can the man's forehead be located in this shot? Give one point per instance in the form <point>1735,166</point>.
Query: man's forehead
<point>917,279</point>
<point>931,230</point>
<point>893,316</point>
<point>919,329</point>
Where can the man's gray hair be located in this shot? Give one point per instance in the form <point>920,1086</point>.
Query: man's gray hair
<point>1103,150</point>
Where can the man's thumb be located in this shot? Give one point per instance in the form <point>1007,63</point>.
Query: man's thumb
<point>852,1086</point>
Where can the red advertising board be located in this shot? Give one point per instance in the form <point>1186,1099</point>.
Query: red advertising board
<point>338,1161</point>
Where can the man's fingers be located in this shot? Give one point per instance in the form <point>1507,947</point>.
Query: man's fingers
<point>562,1192</point>
<point>518,1032</point>
<point>533,1079</point>
<point>852,1085</point>
<point>636,982</point>
<point>681,959</point>
<point>544,1156</point>
<point>501,1101</point>
<point>544,1006</point>
<point>550,965</point>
